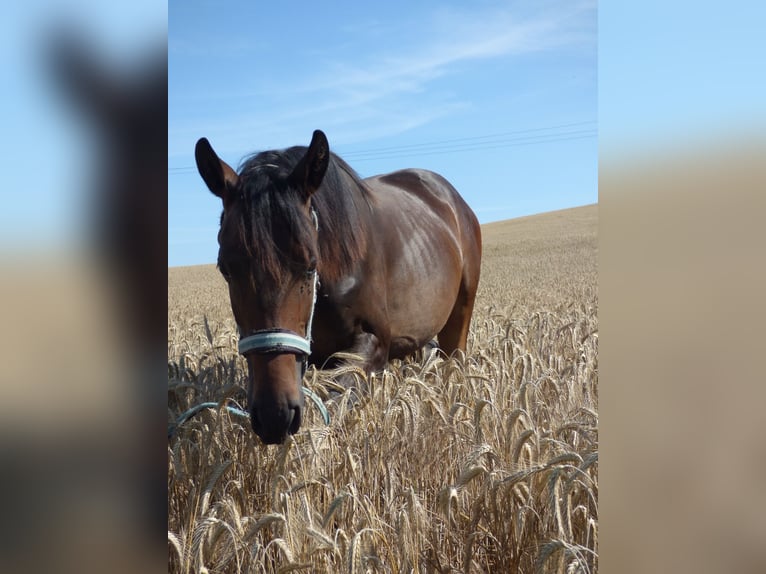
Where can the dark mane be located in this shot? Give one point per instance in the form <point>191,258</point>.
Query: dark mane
<point>272,215</point>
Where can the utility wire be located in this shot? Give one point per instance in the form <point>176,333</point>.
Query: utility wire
<point>467,139</point>
<point>457,145</point>
<point>493,144</point>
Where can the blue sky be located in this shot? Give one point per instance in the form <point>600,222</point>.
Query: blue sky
<point>47,144</point>
<point>679,75</point>
<point>499,97</point>
<point>258,76</point>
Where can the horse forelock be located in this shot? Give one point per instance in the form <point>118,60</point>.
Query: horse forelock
<point>272,215</point>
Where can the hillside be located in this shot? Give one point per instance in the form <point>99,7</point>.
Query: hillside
<point>543,260</point>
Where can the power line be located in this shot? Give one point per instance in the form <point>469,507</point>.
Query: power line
<point>515,138</point>
<point>466,139</point>
<point>461,147</point>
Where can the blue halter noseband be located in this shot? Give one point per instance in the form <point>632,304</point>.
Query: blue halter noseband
<point>275,341</point>
<point>284,340</point>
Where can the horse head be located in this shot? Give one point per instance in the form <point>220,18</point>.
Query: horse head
<point>268,255</point>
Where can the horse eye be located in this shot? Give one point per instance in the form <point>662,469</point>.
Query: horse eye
<point>312,268</point>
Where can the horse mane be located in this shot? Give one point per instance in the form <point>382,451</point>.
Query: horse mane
<point>272,213</point>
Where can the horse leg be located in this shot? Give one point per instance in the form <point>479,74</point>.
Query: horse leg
<point>454,334</point>
<point>372,348</point>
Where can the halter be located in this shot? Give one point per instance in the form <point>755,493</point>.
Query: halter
<point>284,340</point>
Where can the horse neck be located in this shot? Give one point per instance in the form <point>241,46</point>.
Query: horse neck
<point>343,225</point>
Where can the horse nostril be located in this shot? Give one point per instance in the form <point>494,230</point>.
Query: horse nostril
<point>256,424</point>
<point>295,422</point>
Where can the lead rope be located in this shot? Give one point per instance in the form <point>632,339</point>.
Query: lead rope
<point>241,413</point>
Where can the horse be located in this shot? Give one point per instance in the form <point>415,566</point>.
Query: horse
<point>320,261</point>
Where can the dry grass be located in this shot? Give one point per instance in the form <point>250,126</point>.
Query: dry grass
<point>481,463</point>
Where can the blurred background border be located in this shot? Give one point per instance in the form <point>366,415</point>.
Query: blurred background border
<point>82,286</point>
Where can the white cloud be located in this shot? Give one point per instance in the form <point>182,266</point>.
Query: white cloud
<point>367,95</point>
<point>455,37</point>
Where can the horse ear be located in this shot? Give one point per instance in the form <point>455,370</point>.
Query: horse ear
<point>85,80</point>
<point>309,172</point>
<point>219,177</point>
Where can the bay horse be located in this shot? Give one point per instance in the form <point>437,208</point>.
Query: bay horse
<point>319,261</point>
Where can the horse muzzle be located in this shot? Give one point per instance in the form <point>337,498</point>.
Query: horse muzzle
<point>277,361</point>
<point>273,421</point>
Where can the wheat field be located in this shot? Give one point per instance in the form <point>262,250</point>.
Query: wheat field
<point>486,462</point>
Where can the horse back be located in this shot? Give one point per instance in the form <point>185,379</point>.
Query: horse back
<point>425,199</point>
